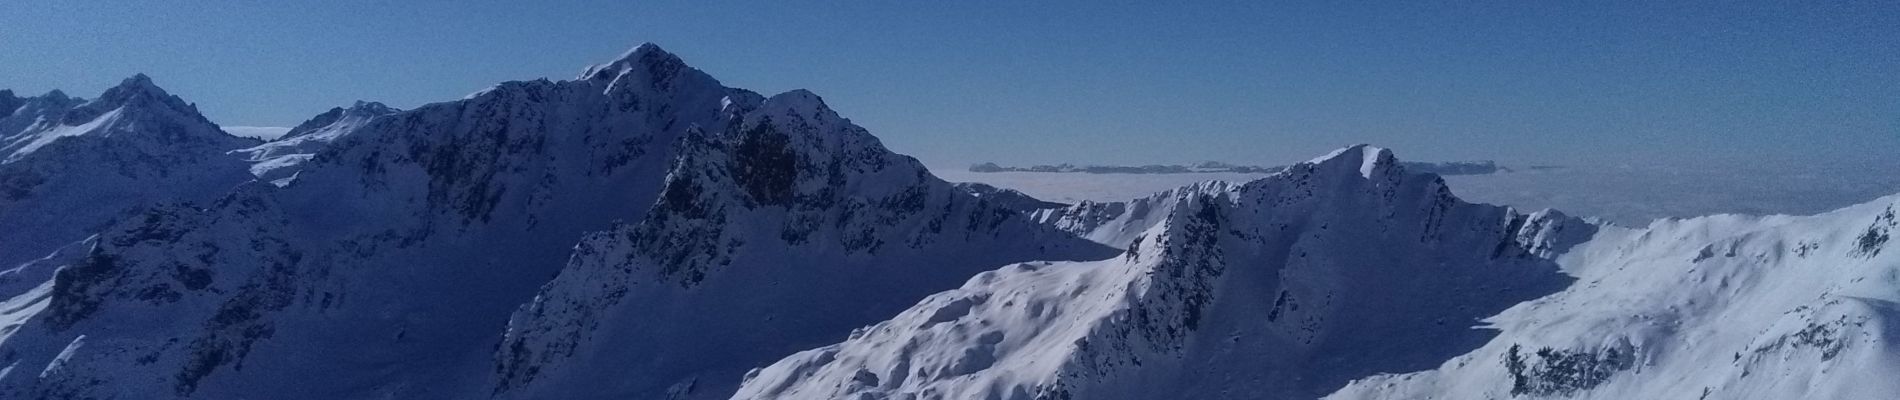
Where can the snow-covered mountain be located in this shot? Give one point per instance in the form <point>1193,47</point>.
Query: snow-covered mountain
<point>1286,287</point>
<point>398,262</point>
<point>275,161</point>
<point>1342,277</point>
<point>784,231</point>
<point>643,231</point>
<point>68,166</point>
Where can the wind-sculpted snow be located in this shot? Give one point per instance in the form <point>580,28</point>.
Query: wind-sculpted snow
<point>1286,287</point>
<point>1120,223</point>
<point>70,166</point>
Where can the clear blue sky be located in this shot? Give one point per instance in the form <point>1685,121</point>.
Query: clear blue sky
<point>1055,81</point>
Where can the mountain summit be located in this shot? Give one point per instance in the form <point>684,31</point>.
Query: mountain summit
<point>72,165</point>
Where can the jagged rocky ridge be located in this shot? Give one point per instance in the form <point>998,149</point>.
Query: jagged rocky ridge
<point>415,236</point>
<point>69,166</point>
<point>1440,168</point>
<point>1261,290</point>
<point>837,232</point>
<point>276,161</point>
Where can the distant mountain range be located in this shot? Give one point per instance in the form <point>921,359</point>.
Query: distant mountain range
<point>1441,168</point>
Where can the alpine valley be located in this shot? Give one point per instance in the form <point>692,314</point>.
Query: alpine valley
<point>643,231</point>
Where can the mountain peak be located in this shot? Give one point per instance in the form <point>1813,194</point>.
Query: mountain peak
<point>138,83</point>
<point>643,49</point>
<point>357,113</point>
<point>371,107</point>
<point>140,88</point>
<point>648,55</point>
<point>1369,160</point>
<point>800,102</point>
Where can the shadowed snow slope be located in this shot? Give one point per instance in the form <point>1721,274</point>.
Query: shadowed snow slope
<point>1286,287</point>
<point>398,262</point>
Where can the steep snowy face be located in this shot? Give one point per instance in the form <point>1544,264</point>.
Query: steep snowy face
<point>276,161</point>
<point>784,231</point>
<point>1720,307</point>
<point>68,166</point>
<point>1286,287</point>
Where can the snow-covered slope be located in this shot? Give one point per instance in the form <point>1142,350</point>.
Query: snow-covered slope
<point>1286,287</point>
<point>1719,307</point>
<point>398,261</point>
<point>275,161</point>
<point>1368,283</point>
<point>783,232</point>
<point>68,166</point>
